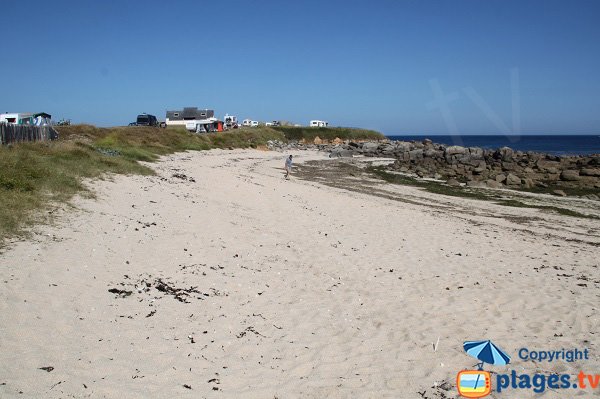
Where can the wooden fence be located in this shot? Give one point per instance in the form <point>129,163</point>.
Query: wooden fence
<point>20,133</point>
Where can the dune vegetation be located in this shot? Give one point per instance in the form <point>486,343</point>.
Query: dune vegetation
<point>34,177</point>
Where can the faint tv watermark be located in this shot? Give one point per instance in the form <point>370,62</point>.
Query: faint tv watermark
<point>442,101</point>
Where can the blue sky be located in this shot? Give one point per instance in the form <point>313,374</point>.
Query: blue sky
<point>374,64</point>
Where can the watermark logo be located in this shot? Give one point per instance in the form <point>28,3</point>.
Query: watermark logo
<point>478,383</point>
<point>474,383</point>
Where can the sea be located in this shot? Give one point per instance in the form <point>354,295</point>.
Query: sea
<point>548,144</point>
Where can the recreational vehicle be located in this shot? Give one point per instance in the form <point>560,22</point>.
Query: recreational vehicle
<point>146,120</point>
<point>230,122</point>
<point>189,114</point>
<point>317,123</point>
<point>15,118</point>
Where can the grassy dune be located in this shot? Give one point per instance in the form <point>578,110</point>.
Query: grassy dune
<point>34,176</point>
<point>329,133</point>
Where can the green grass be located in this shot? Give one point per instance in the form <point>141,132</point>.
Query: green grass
<point>33,176</point>
<point>328,133</point>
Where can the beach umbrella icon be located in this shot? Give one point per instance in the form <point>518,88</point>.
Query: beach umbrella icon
<point>486,352</point>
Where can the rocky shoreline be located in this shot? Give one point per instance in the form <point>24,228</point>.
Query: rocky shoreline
<point>474,166</point>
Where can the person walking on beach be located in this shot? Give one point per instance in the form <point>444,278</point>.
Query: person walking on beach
<point>288,167</point>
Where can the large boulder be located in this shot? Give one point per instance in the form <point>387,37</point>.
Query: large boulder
<point>493,183</point>
<point>475,183</point>
<point>403,146</point>
<point>387,149</point>
<point>369,147</point>
<point>340,152</point>
<point>589,172</point>
<point>547,166</point>
<point>480,168</point>
<point>570,175</point>
<point>415,155</point>
<point>476,152</point>
<point>513,180</point>
<point>455,149</point>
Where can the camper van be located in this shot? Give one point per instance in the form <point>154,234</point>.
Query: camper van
<point>317,123</point>
<point>230,122</point>
<point>146,120</point>
<point>249,123</point>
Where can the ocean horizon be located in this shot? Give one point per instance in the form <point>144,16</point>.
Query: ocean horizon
<point>549,144</point>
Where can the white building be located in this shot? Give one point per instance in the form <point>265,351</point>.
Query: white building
<point>318,123</point>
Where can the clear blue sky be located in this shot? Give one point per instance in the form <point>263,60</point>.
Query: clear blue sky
<point>373,64</point>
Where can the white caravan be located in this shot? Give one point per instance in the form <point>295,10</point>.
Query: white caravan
<point>317,123</point>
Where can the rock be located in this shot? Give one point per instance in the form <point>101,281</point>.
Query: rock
<point>415,155</point>
<point>317,140</point>
<point>559,193</point>
<point>513,180</point>
<point>493,183</point>
<point>387,149</point>
<point>589,172</point>
<point>570,175</point>
<point>455,149</point>
<point>504,154</point>
<point>500,178</point>
<point>337,140</point>
<point>427,142</point>
<point>547,166</point>
<point>453,182</point>
<point>476,152</point>
<point>527,182</point>
<point>403,146</point>
<point>340,152</point>
<point>431,153</point>
<point>475,183</point>
<point>479,169</point>
<point>509,166</point>
<point>370,147</point>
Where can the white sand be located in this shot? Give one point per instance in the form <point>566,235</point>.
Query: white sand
<point>312,291</point>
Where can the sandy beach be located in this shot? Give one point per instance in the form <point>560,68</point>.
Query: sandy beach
<point>217,278</point>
